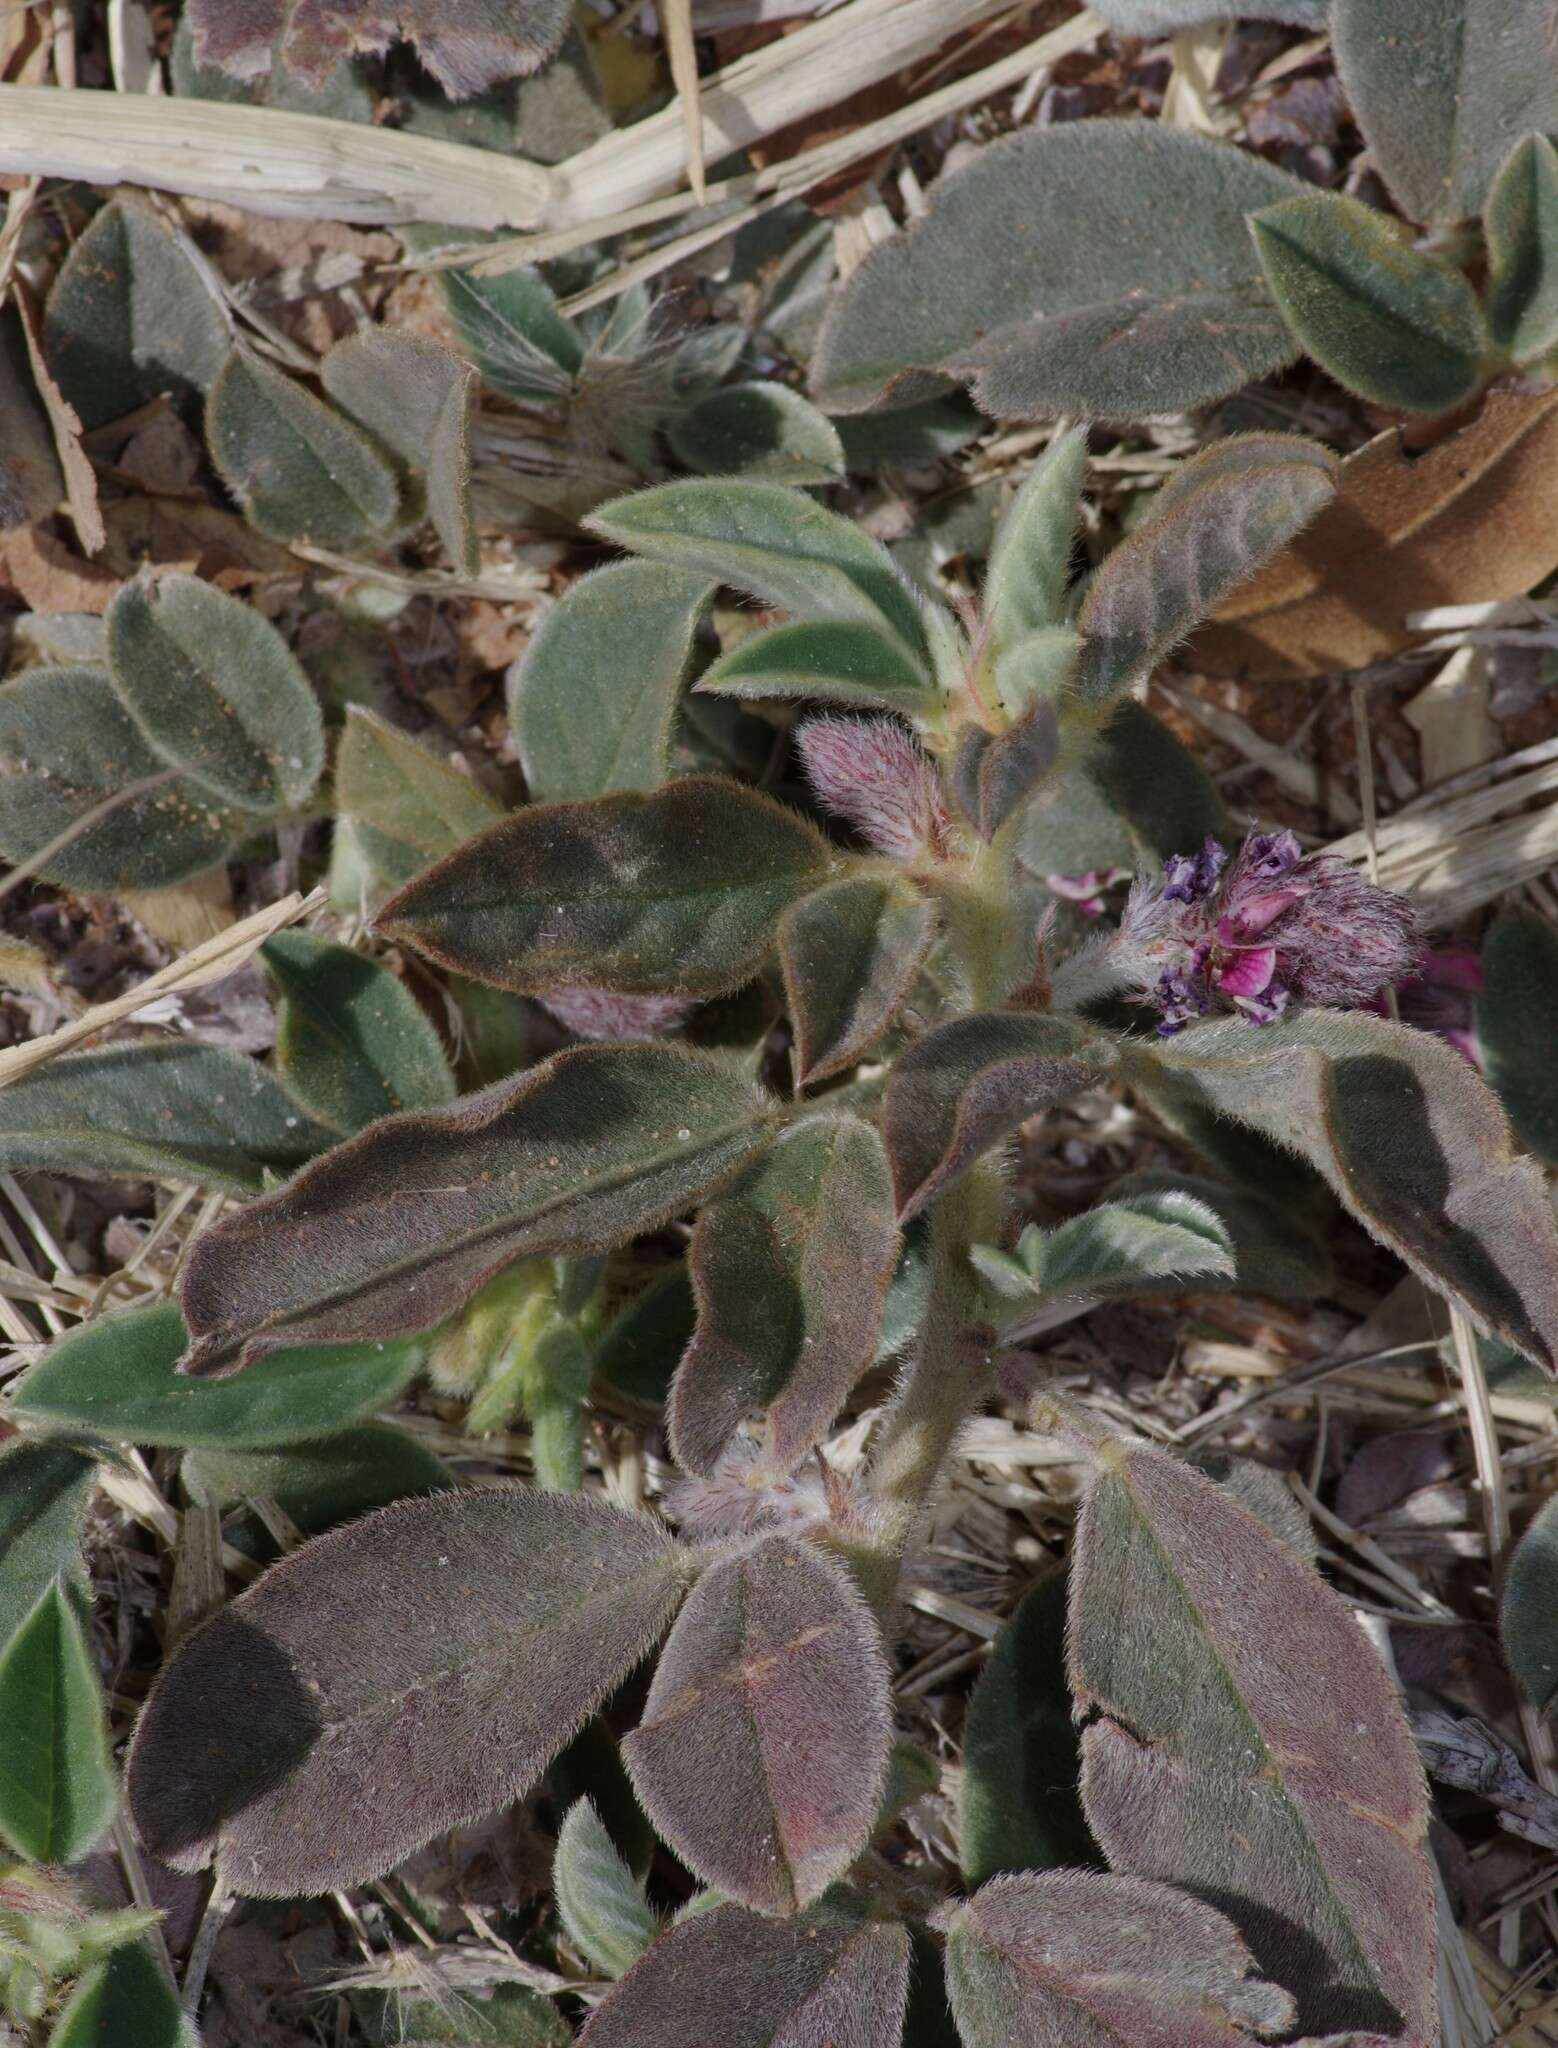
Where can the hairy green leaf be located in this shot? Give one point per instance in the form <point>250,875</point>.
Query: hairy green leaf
<point>1030,564</point>
<point>1136,1245</point>
<point>402,1224</point>
<point>214,688</point>
<point>850,953</point>
<point>968,1084</point>
<point>1274,1251</point>
<point>790,1266</point>
<point>1037,274</point>
<point>415,398</point>
<point>640,1349</point>
<point>910,436</point>
<point>182,1112</point>
<point>829,1978</point>
<point>1076,1958</point>
<point>837,661</point>
<point>1515,1013</point>
<point>758,430</point>
<point>57,1789</point>
<point>1215,521</point>
<point>352,1042</point>
<point>514,332</point>
<point>1528,1615</point>
<point>44,1490</point>
<point>761,1754</point>
<point>126,1998</point>
<point>1395,326</point>
<point>1231,1691</point>
<point>467,45</point>
<point>1442,90</point>
<point>1520,225</point>
<point>392,1679</point>
<point>509,2016</point>
<point>1156,786</point>
<point>410,806</point>
<point>1407,1134</point>
<point>319,1485</point>
<point>300,469</point>
<point>680,890</point>
<point>996,774</point>
<point>599,1902</point>
<point>130,317</point>
<point>594,697</point>
<point>777,544</point>
<point>116,1378</point>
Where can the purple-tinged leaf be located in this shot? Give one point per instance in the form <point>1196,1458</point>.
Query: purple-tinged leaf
<point>674,892</point>
<point>830,1979</point>
<point>1515,1014</point>
<point>967,1085</point>
<point>763,1747</point>
<point>400,1226</point>
<point>1249,1745</point>
<point>1078,1958</point>
<point>790,1266</point>
<point>402,1675</point>
<point>849,953</point>
<point>995,773</point>
<point>467,45</point>
<point>1408,1135</point>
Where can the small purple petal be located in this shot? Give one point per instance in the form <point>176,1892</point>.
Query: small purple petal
<point>1248,973</point>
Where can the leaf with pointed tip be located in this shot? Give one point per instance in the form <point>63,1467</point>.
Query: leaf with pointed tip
<point>837,661</point>
<point>1137,1245</point>
<point>849,953</point>
<point>510,2016</point>
<point>1074,1958</point>
<point>1037,275</point>
<point>130,317</point>
<point>514,332</point>
<point>1274,1251</point>
<point>44,1491</point>
<point>117,1378</point>
<point>593,699</point>
<point>214,688</point>
<point>1442,89</point>
<point>996,774</point>
<point>392,1679</point>
<point>1528,1615</point>
<point>1229,1689</point>
<point>1410,1138</point>
<point>829,1978</point>
<point>1030,564</point>
<point>467,45</point>
<point>299,468</point>
<point>1021,1756</point>
<point>599,1902</point>
<point>57,1789</point>
<point>400,1226</point>
<point>415,398</point>
<point>182,1112</point>
<point>1394,326</point>
<point>318,1485</point>
<point>763,1746</point>
<point>410,806</point>
<point>679,891</point>
<point>1515,1014</point>
<point>352,1042</point>
<point>1209,527</point>
<point>790,1266</point>
<point>76,763</point>
<point>758,430</point>
<point>126,1998</point>
<point>1520,227</point>
<point>968,1084</point>
<point>777,544</point>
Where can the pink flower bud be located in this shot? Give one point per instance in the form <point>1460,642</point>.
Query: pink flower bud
<point>870,771</point>
<point>597,1013</point>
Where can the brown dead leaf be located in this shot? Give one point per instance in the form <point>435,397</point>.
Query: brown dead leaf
<point>65,425</point>
<point>187,534</point>
<point>47,577</point>
<point>1468,521</point>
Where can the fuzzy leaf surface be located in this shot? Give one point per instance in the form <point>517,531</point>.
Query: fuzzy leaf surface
<point>763,1747</point>
<point>1397,327</point>
<point>1074,1958</point>
<point>1135,1245</point>
<point>44,1491</point>
<point>599,1902</point>
<point>1520,224</point>
<point>995,774</point>
<point>415,398</point>
<point>968,1084</point>
<point>215,690</point>
<point>514,332</point>
<point>790,1266</point>
<point>300,469</point>
<point>1215,521</point>
<point>467,45</point>
<point>1515,1012</point>
<point>837,661</point>
<point>116,1378</point>
<point>511,2016</point>
<point>824,1980</point>
<point>1443,89</point>
<point>1410,1138</point>
<point>125,1998</point>
<point>1528,1615</point>
<point>593,699</point>
<point>849,953</point>
<point>400,1226</point>
<point>411,806</point>
<point>321,1484</point>
<point>777,544</point>
<point>392,1679</point>
<point>57,1786</point>
<point>1230,1686</point>
<point>759,430</point>
<point>1030,564</point>
<point>1274,1251</point>
<point>1037,275</point>
<point>130,317</point>
<point>352,1042</point>
<point>183,1112</point>
<point>679,890</point>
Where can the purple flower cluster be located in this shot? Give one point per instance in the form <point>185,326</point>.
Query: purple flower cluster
<point>1270,928</point>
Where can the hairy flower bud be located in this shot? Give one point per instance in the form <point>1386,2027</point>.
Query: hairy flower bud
<point>729,1502</point>
<point>597,1013</point>
<point>870,771</point>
